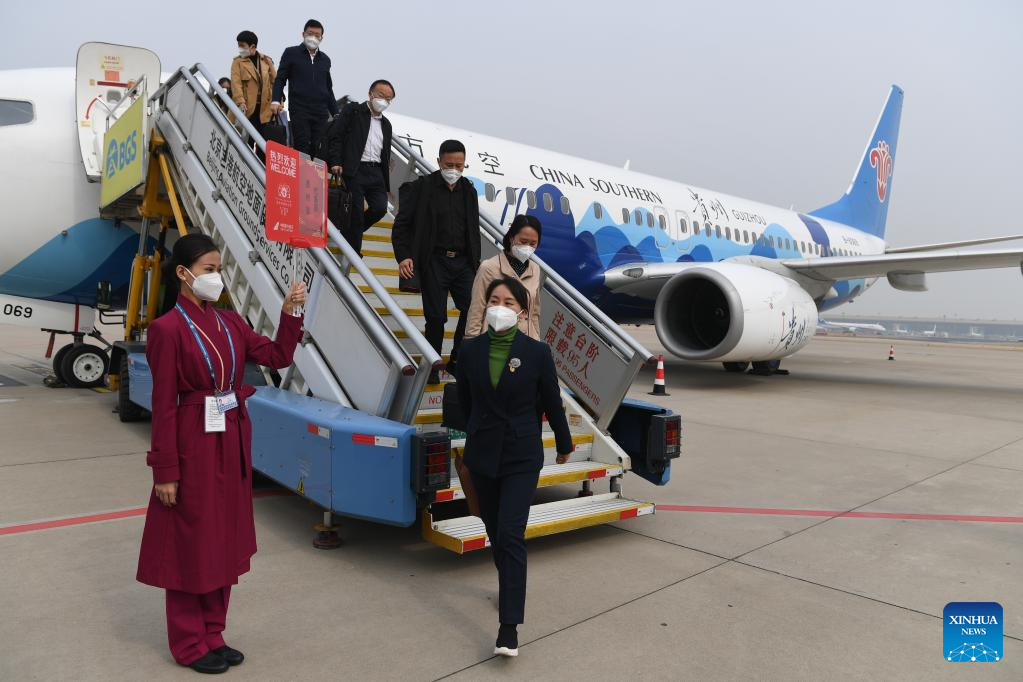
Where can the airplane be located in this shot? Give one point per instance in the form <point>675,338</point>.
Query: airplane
<point>723,279</point>
<point>930,332</point>
<point>854,326</point>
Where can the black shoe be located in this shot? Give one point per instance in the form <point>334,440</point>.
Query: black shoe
<point>232,656</point>
<point>434,377</point>
<point>507,641</point>
<point>211,664</point>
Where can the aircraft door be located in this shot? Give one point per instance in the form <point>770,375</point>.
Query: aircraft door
<point>104,73</point>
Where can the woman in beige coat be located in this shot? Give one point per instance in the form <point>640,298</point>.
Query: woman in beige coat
<point>521,240</point>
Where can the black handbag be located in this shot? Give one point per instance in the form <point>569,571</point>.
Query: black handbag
<point>276,130</point>
<point>452,416</point>
<point>410,285</point>
<point>339,204</point>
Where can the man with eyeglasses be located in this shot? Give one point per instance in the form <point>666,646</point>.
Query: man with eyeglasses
<point>436,238</point>
<point>305,69</point>
<point>358,148</point>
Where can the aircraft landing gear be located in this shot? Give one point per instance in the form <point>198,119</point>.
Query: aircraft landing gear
<point>735,366</point>
<point>766,368</point>
<point>79,364</point>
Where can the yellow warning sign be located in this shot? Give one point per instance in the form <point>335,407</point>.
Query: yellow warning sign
<point>301,486</point>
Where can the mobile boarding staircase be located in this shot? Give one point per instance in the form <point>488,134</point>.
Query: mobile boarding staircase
<point>353,424</point>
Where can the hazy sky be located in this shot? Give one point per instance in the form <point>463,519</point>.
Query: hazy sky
<point>771,101</point>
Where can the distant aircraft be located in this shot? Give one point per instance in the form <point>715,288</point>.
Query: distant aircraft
<point>930,332</point>
<point>855,326</point>
<point>723,278</point>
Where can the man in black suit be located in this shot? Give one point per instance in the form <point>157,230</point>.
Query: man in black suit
<point>436,237</point>
<point>306,71</point>
<point>359,149</point>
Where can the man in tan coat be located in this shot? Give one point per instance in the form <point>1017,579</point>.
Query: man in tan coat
<point>252,80</point>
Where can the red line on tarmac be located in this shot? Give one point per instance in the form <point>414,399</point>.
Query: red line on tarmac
<point>767,511</point>
<point>105,516</point>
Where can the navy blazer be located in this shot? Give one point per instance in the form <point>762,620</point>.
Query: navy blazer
<point>504,423</point>
<point>309,85</point>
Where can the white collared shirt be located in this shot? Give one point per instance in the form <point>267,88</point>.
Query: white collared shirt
<point>374,141</point>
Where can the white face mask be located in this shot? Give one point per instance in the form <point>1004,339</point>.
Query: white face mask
<point>206,287</point>
<point>501,319</point>
<point>523,252</point>
<point>312,42</point>
<point>451,175</point>
<point>244,52</point>
<point>379,104</point>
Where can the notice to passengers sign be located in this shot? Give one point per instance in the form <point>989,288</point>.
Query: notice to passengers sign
<point>296,198</point>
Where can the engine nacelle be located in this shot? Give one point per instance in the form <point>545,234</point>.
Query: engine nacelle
<point>733,313</point>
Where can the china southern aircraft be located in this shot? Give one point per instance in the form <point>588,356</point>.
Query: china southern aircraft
<point>723,278</point>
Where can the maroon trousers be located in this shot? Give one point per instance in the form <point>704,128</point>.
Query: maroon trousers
<point>195,623</point>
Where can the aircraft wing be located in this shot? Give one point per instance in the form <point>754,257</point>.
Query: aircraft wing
<point>896,264</point>
<point>903,270</point>
<point>952,245</point>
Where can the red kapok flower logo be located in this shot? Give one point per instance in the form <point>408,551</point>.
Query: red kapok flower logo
<point>881,159</point>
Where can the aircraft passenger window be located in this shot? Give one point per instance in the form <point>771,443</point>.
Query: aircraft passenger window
<point>625,216</point>
<point>491,191</point>
<point>662,222</point>
<point>639,217</point>
<point>728,233</point>
<point>598,211</point>
<point>14,112</point>
<point>510,196</point>
<point>531,199</point>
<point>717,231</point>
<point>682,224</point>
<point>649,219</point>
<point>745,237</point>
<point>548,202</point>
<point>565,207</point>
<point>707,229</point>
<point>788,244</point>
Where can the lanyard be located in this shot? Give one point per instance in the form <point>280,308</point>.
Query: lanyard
<point>205,354</point>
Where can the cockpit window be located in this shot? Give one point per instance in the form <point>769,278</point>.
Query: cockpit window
<point>15,112</point>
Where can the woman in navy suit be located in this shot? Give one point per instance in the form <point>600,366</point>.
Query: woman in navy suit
<point>506,381</point>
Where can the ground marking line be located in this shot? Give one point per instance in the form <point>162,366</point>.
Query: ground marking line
<point>34,526</point>
<point>768,511</point>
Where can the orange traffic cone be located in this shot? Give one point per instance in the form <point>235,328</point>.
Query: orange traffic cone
<point>659,378</point>
<point>891,353</point>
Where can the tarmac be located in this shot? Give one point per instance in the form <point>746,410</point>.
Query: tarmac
<point>813,529</point>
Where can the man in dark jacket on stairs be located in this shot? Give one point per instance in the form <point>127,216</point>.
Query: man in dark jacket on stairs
<point>436,238</point>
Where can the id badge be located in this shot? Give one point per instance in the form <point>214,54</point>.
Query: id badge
<point>227,402</point>
<point>216,421</point>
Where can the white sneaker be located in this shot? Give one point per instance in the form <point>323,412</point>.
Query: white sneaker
<point>505,651</point>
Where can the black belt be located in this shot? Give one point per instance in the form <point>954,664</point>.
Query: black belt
<point>371,163</point>
<point>449,254</point>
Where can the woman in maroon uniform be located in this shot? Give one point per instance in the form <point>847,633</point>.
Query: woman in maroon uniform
<point>199,533</point>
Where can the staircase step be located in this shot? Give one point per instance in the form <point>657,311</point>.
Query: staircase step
<point>467,533</point>
<point>370,237</point>
<point>552,474</point>
<point>416,312</point>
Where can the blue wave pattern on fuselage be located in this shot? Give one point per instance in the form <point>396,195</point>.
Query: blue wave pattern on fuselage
<point>67,267</point>
<point>581,251</point>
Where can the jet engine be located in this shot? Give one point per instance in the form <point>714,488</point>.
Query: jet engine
<point>730,312</point>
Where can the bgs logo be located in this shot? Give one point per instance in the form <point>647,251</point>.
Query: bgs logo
<point>120,154</point>
<point>972,632</point>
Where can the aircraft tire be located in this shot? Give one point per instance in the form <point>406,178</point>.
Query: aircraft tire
<point>735,366</point>
<point>58,362</point>
<point>85,366</point>
<point>127,411</point>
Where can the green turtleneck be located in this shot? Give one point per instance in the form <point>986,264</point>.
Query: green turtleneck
<point>500,347</point>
